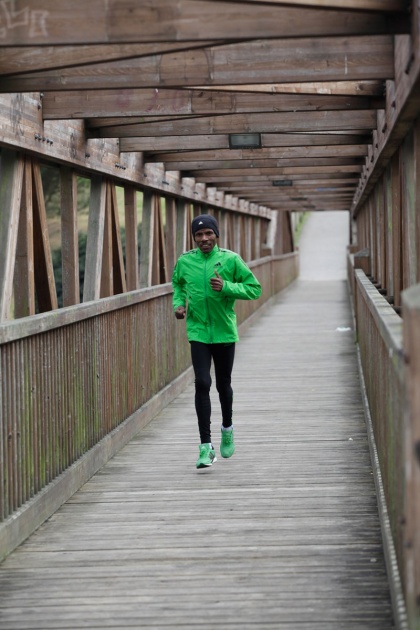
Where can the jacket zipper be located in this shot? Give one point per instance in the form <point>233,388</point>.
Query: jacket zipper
<point>207,300</point>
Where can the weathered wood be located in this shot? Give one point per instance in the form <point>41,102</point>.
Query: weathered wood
<point>69,240</point>
<point>163,102</point>
<point>112,22</point>
<point>18,59</point>
<point>24,278</point>
<point>131,238</point>
<point>358,120</point>
<point>44,273</point>
<point>95,240</point>
<point>107,268</point>
<point>146,247</point>
<point>12,167</point>
<point>357,58</point>
<point>353,150</point>
<point>221,141</point>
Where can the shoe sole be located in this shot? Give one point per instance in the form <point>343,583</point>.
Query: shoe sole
<point>200,466</point>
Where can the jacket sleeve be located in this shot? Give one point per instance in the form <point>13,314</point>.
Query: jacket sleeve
<point>179,297</point>
<point>244,285</point>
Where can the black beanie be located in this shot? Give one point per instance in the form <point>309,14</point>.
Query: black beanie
<point>204,221</point>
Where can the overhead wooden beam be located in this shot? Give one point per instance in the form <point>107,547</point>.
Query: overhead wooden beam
<point>113,21</point>
<point>278,153</point>
<point>282,122</point>
<point>155,144</point>
<point>192,167</point>
<point>17,59</point>
<point>349,88</point>
<point>286,60</point>
<point>123,104</point>
<point>359,5</point>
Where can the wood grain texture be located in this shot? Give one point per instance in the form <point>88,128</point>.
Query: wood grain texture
<point>283,535</point>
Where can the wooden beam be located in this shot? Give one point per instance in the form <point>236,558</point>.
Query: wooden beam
<point>17,59</point>
<point>279,153</point>
<point>163,102</point>
<point>112,21</point>
<point>131,238</point>
<point>349,88</point>
<point>95,240</point>
<point>147,234</point>
<point>354,120</point>
<point>359,5</point>
<point>69,239</point>
<point>24,277</point>
<point>154,144</point>
<point>329,59</point>
<point>44,273</point>
<point>11,179</point>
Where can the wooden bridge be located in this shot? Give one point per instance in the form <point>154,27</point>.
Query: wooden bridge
<point>285,534</point>
<point>119,123</point>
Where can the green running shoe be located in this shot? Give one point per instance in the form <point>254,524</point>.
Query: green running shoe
<point>227,445</point>
<point>207,456</point>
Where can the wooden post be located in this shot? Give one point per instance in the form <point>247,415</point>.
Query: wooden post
<point>11,177</point>
<point>95,240</point>
<point>24,278</point>
<point>147,231</point>
<point>411,343</point>
<point>44,273</point>
<point>69,240</point>
<point>362,261</point>
<point>131,238</point>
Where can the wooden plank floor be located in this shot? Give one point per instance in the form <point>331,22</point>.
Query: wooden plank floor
<point>285,535</point>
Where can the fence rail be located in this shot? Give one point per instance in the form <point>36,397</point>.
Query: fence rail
<point>389,351</point>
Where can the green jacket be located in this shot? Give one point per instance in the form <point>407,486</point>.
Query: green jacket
<point>210,314</point>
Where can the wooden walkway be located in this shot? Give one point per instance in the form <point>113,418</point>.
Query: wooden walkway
<point>285,535</point>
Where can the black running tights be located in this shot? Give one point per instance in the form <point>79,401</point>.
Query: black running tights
<point>223,355</point>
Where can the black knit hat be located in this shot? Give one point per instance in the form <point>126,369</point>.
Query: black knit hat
<point>204,221</point>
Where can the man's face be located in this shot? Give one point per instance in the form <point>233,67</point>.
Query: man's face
<point>205,239</point>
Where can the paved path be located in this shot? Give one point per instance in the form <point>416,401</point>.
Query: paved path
<point>283,536</point>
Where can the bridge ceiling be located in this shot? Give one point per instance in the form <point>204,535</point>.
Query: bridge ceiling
<point>173,79</point>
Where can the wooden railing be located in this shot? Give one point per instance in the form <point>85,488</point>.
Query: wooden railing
<point>390,359</point>
<point>78,383</point>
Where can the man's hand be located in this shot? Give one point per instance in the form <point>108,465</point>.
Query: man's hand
<point>180,312</point>
<point>217,282</point>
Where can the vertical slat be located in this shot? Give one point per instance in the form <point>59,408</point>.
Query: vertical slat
<point>181,227</point>
<point>396,229</point>
<point>409,209</point>
<point>107,273</point>
<point>170,234</point>
<point>95,240</point>
<point>160,260</point>
<point>389,235</point>
<point>147,231</point>
<point>24,279</point>
<point>44,272</point>
<point>11,178</point>
<point>69,239</point>
<point>131,238</point>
